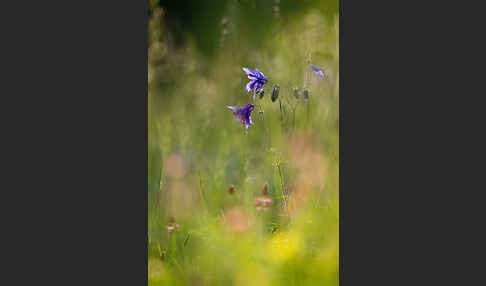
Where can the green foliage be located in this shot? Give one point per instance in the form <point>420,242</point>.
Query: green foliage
<point>197,150</point>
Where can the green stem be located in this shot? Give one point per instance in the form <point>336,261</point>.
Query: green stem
<point>201,191</point>
<point>267,133</point>
<point>284,192</point>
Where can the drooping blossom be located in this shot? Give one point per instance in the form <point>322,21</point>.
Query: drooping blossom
<point>318,71</point>
<point>306,94</point>
<point>243,114</point>
<point>257,80</point>
<point>170,228</point>
<point>275,91</point>
<point>296,92</point>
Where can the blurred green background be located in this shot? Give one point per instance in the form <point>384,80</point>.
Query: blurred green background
<point>197,151</point>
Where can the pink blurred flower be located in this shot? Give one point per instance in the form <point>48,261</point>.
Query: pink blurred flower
<point>267,201</point>
<point>170,228</point>
<point>258,201</point>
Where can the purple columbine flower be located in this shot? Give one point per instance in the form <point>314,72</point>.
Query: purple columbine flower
<point>243,114</point>
<point>257,80</point>
<point>318,71</point>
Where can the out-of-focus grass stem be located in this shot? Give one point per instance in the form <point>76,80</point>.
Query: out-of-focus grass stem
<point>282,184</point>
<point>201,191</point>
<point>267,132</point>
<point>159,190</point>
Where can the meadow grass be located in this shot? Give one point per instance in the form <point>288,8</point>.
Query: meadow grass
<point>197,151</point>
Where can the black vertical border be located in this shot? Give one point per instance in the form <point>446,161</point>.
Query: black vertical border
<point>341,266</point>
<point>147,9</point>
<point>85,149</point>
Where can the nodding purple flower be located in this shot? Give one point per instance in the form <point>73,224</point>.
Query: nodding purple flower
<point>318,71</point>
<point>257,80</point>
<point>275,91</point>
<point>243,114</point>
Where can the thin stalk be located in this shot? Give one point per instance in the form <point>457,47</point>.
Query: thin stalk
<point>283,190</point>
<point>201,191</point>
<point>267,133</point>
<point>281,180</point>
<point>293,115</point>
<point>159,190</point>
<point>308,111</point>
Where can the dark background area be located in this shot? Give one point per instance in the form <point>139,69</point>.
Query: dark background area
<point>76,223</point>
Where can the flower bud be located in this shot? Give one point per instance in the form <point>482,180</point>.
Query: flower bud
<point>306,94</point>
<point>296,93</point>
<point>265,189</point>
<point>276,90</point>
<point>231,189</point>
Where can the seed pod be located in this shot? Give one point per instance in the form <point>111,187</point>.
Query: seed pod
<point>261,93</point>
<point>306,94</point>
<point>276,90</point>
<point>265,189</point>
<point>296,93</point>
<point>231,189</point>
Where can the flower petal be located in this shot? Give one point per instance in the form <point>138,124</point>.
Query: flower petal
<point>233,108</point>
<point>260,85</point>
<point>250,85</point>
<point>248,71</point>
<point>318,71</point>
<point>251,74</point>
<point>260,75</point>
